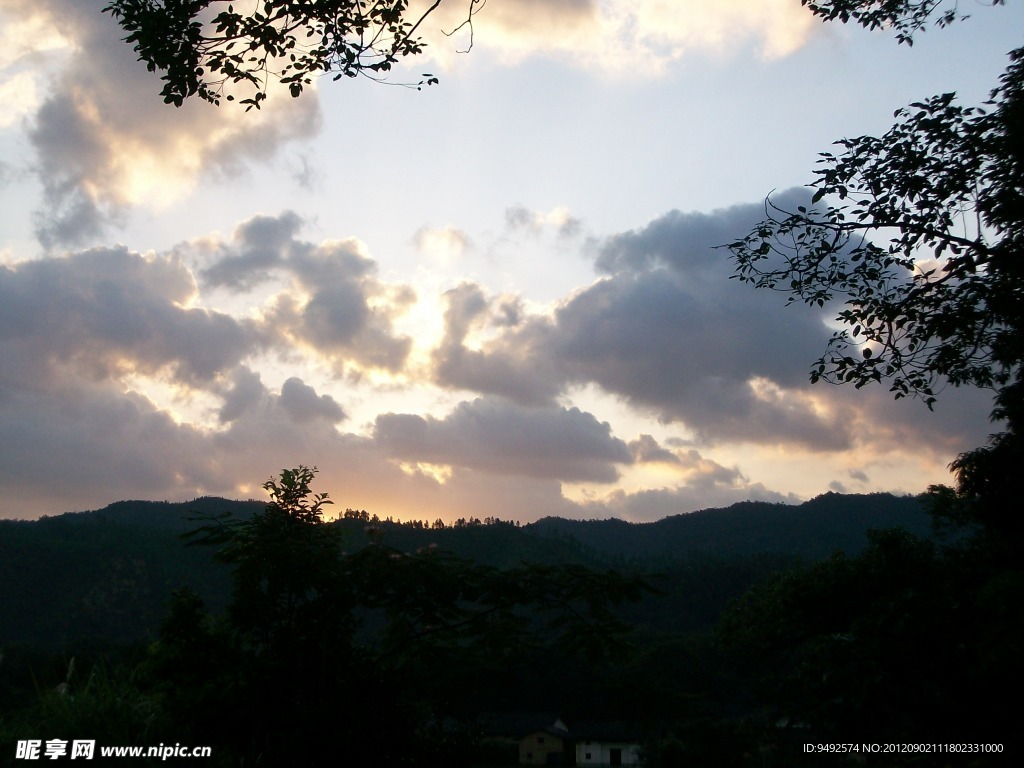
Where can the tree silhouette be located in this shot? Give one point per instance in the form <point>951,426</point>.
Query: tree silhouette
<point>894,642</point>
<point>207,48</point>
<point>374,636</point>
<point>941,299</point>
<point>916,235</point>
<point>905,17</point>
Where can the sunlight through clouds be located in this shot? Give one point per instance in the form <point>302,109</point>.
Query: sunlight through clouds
<point>623,36</point>
<point>503,295</point>
<point>446,245</point>
<point>105,141</point>
<point>441,473</point>
<point>30,49</point>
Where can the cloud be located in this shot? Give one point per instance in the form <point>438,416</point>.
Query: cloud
<point>706,484</point>
<point>519,218</point>
<point>499,369</point>
<point>625,36</point>
<point>335,304</point>
<point>245,393</point>
<point>446,244</point>
<point>301,402</point>
<point>500,437</point>
<point>104,141</point>
<point>338,320</point>
<point>669,333</point>
<point>118,380</point>
<point>247,397</point>
<point>73,444</point>
<point>106,312</point>
<point>646,450</point>
<point>258,246</point>
<point>692,355</point>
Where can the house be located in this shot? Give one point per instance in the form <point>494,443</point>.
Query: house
<point>605,744</point>
<point>530,738</point>
<point>546,740</point>
<point>550,745</point>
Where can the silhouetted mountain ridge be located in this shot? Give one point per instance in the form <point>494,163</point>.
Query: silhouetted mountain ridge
<point>106,574</point>
<point>810,530</point>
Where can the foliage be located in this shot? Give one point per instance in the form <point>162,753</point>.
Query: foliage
<point>918,233</point>
<point>285,559</point>
<point>906,17</point>
<point>939,300</point>
<point>97,701</point>
<point>421,641</point>
<point>891,643</point>
<point>204,47</point>
<point>361,634</point>
<point>108,574</point>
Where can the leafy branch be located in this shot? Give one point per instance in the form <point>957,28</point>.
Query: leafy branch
<point>209,49</point>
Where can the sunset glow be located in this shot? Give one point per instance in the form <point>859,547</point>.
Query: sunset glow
<point>499,296</point>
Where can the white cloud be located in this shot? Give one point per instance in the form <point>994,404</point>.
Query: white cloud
<point>444,245</point>
<point>642,37</point>
<point>105,141</point>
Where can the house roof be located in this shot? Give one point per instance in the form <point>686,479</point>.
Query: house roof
<point>516,725</point>
<point>605,731</point>
<point>519,724</point>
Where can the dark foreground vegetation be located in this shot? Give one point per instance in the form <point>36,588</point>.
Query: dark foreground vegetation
<point>728,637</point>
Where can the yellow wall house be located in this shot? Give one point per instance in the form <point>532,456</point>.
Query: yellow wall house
<point>546,746</point>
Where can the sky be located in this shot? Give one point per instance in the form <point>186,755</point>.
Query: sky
<point>498,296</point>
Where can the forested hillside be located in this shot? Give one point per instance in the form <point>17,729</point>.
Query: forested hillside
<point>107,574</point>
<point>698,633</point>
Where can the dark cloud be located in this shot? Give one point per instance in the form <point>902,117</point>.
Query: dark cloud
<point>302,403</point>
<point>707,484</point>
<point>334,315</point>
<point>659,341</point>
<point>496,436</point>
<point>645,449</point>
<point>258,245</point>
<point>67,147</point>
<point>335,304</point>
<point>501,369</point>
<point>334,261</point>
<point>246,392</point>
<point>71,445</point>
<point>669,332</point>
<point>248,398</point>
<point>646,506</point>
<point>690,242</point>
<point>338,319</point>
<point>106,311</point>
<point>519,218</point>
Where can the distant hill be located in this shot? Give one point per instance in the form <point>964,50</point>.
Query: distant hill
<point>172,516</point>
<point>106,575</point>
<point>811,530</point>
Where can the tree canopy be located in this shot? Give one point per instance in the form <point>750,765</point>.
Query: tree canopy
<point>915,237</point>
<point>905,17</point>
<point>938,301</point>
<point>322,629</point>
<point>206,47</point>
